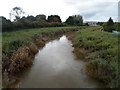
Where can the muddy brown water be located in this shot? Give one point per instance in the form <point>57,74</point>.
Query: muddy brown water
<point>55,66</point>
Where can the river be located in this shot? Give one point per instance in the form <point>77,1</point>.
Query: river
<point>55,66</point>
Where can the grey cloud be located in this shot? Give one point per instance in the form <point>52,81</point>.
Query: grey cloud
<point>89,15</point>
<point>94,9</point>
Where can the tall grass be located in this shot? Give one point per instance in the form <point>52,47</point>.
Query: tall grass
<point>103,54</point>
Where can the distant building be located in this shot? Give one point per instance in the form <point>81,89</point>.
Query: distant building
<point>92,24</point>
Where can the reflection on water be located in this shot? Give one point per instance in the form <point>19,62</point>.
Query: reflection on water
<point>55,67</point>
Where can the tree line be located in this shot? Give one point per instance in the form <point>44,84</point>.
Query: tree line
<point>39,21</point>
<point>21,22</point>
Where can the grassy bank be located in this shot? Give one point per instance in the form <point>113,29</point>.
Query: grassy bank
<point>11,41</point>
<point>101,54</point>
<point>20,47</point>
<point>27,34</point>
<point>99,49</point>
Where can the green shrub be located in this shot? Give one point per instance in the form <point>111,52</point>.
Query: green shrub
<point>104,71</point>
<point>109,26</point>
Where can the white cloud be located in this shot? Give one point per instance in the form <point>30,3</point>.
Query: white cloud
<point>90,9</point>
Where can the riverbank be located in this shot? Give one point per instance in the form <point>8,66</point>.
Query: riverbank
<point>19,54</point>
<point>100,51</point>
<point>55,66</point>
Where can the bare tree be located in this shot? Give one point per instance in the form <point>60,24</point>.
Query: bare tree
<point>16,13</point>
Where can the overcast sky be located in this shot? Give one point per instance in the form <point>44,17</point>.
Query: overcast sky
<point>91,10</point>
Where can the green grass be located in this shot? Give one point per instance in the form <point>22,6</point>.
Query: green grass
<point>117,26</point>
<point>103,54</point>
<point>12,40</point>
<point>27,34</point>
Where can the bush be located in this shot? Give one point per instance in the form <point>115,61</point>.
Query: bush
<point>104,71</point>
<point>6,24</point>
<point>109,26</point>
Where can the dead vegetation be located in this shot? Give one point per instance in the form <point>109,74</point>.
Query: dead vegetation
<point>80,53</point>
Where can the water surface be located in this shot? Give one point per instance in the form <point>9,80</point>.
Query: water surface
<point>55,67</point>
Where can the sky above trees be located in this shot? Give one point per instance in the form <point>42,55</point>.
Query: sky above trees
<point>91,10</point>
